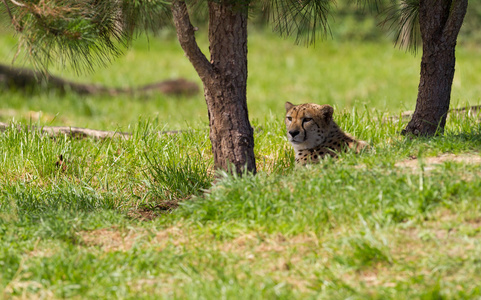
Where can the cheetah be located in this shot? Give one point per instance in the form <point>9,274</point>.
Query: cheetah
<point>314,134</point>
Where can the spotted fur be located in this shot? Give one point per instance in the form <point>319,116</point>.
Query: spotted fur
<point>314,134</point>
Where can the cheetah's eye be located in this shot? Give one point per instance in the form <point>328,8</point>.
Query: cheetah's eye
<point>289,118</point>
<point>307,120</point>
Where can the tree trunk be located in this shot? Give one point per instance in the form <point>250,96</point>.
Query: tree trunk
<point>231,134</point>
<point>440,22</point>
<point>434,92</point>
<point>225,79</point>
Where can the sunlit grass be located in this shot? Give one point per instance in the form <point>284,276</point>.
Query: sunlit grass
<point>359,226</point>
<point>341,73</point>
<point>81,218</point>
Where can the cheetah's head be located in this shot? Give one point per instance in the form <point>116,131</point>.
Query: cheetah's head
<point>308,125</point>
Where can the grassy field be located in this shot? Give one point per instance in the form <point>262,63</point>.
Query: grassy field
<point>400,222</point>
<point>345,74</point>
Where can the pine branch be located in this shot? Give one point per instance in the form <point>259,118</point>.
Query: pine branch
<point>307,19</point>
<point>12,17</point>
<point>17,3</point>
<point>82,34</point>
<point>8,9</point>
<point>403,20</point>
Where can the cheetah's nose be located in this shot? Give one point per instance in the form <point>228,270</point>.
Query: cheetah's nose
<point>293,133</point>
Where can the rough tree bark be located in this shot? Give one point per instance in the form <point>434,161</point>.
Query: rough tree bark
<point>440,22</point>
<point>224,78</point>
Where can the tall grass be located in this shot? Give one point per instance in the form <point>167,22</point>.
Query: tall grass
<point>178,178</point>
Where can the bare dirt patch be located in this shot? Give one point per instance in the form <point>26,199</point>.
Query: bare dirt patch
<point>429,163</point>
<point>176,236</point>
<point>281,257</point>
<point>113,239</point>
<point>149,214</point>
<point>19,288</point>
<point>260,245</point>
<point>443,238</point>
<point>110,239</point>
<point>49,252</point>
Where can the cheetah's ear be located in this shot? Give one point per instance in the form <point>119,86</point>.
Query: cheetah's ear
<point>327,111</point>
<point>288,106</point>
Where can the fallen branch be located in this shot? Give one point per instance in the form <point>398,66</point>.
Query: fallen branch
<point>79,133</point>
<point>472,110</point>
<point>24,78</point>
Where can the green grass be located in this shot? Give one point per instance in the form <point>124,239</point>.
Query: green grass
<point>400,222</point>
<point>341,73</point>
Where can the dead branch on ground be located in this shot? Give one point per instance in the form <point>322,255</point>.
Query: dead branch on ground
<point>21,78</point>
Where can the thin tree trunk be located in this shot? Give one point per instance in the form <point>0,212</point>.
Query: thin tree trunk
<point>224,78</point>
<point>225,92</point>
<point>434,92</point>
<point>440,22</point>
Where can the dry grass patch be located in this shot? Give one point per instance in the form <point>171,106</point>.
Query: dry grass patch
<point>21,289</point>
<point>255,244</point>
<point>420,249</point>
<point>164,285</point>
<point>41,252</point>
<point>429,163</point>
<point>177,236</point>
<point>377,275</point>
<point>441,247</point>
<point>110,239</point>
<point>434,238</point>
<point>283,258</point>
